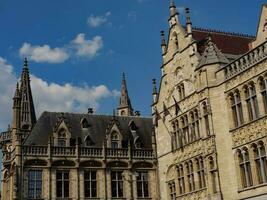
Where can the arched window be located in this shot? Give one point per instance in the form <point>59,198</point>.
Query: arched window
<point>181,91</point>
<point>172,190</point>
<point>190,176</point>
<point>175,39</point>
<point>114,140</point>
<point>206,118</point>
<point>84,124</point>
<point>62,138</point>
<point>181,182</point>
<point>195,133</point>
<point>213,171</point>
<point>245,168</point>
<point>185,130</point>
<point>252,102</point>
<point>261,163</point>
<point>236,108</point>
<point>174,136</point>
<point>200,172</point>
<point>263,88</point>
<point>122,112</point>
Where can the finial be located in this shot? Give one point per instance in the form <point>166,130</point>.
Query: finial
<point>173,10</point>
<point>172,4</point>
<point>17,92</point>
<point>25,62</point>
<point>163,41</point>
<point>187,13</point>
<point>154,86</point>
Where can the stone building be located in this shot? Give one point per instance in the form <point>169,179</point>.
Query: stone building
<point>210,112</point>
<point>77,156</point>
<point>207,137</point>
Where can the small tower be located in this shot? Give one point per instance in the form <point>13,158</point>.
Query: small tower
<point>154,93</point>
<point>16,108</point>
<point>188,22</point>
<point>125,107</point>
<point>28,117</point>
<point>174,15</point>
<point>163,43</point>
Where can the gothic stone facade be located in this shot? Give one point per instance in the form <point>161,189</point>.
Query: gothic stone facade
<point>210,113</point>
<point>77,156</point>
<point>207,138</point>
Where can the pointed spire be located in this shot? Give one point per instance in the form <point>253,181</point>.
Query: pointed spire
<point>125,107</point>
<point>154,93</point>
<point>25,62</point>
<point>163,42</point>
<point>154,86</point>
<point>188,22</point>
<point>173,10</point>
<point>28,117</point>
<point>17,92</point>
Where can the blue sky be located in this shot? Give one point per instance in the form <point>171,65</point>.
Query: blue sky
<point>80,47</point>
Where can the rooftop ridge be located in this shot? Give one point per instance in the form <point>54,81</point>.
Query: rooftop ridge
<point>97,115</point>
<point>223,32</point>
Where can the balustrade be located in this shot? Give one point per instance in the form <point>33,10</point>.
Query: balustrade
<point>63,151</point>
<point>91,152</point>
<point>139,153</point>
<point>87,152</point>
<point>34,150</point>
<point>246,61</point>
<point>117,153</point>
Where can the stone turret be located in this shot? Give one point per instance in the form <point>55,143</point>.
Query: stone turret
<point>125,106</point>
<point>16,108</point>
<point>188,22</point>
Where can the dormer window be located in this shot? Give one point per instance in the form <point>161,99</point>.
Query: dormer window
<point>62,138</point>
<point>114,140</point>
<point>84,124</point>
<point>88,141</point>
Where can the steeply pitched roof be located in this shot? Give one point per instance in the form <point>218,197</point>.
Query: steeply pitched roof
<point>97,131</point>
<point>212,55</point>
<point>228,43</point>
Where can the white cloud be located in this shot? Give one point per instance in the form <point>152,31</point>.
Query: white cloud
<point>7,89</point>
<point>67,98</point>
<point>79,47</point>
<point>96,21</point>
<point>43,53</point>
<point>49,96</point>
<point>87,48</point>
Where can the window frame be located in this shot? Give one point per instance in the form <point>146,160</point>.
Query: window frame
<point>37,184</point>
<point>65,184</point>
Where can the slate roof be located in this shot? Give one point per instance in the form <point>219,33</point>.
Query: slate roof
<point>228,43</point>
<point>98,125</point>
